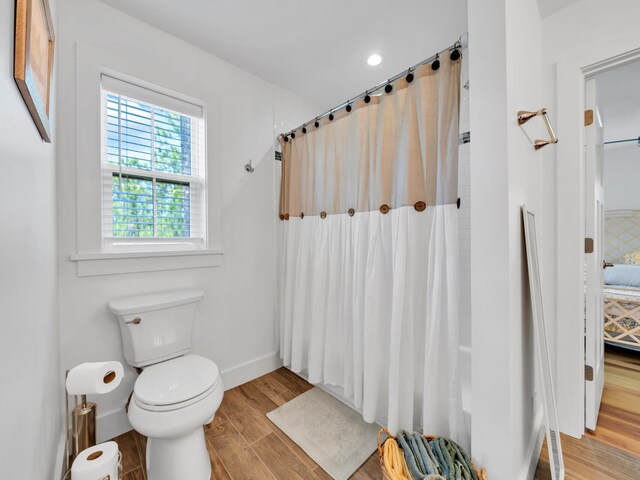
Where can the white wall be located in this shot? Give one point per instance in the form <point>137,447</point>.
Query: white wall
<point>621,177</point>
<point>505,73</point>
<point>30,404</point>
<point>579,36</point>
<point>235,324</point>
<point>526,172</point>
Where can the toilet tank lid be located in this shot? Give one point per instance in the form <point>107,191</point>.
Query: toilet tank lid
<point>154,301</point>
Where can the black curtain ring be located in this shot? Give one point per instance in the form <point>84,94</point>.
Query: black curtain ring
<point>304,129</point>
<point>348,109</point>
<point>409,77</point>
<point>331,117</point>
<point>293,134</point>
<point>436,63</point>
<point>286,139</point>
<point>388,88</point>
<point>317,124</point>
<point>455,55</point>
<point>367,98</point>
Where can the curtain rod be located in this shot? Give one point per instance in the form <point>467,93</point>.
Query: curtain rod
<point>452,48</point>
<point>637,140</point>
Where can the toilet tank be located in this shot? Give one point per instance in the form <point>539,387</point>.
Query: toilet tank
<point>157,326</point>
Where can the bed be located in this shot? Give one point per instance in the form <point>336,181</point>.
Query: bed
<point>622,281</point>
<point>622,317</point>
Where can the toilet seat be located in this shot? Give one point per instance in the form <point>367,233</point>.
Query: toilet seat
<point>176,383</point>
<point>174,406</point>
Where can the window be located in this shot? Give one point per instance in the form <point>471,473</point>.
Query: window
<point>153,170</point>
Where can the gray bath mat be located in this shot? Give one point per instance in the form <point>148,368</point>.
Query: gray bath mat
<point>332,434</point>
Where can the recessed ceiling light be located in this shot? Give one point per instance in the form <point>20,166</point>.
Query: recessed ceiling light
<point>374,60</point>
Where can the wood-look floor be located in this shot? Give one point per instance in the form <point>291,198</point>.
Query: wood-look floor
<point>243,443</point>
<point>613,450</point>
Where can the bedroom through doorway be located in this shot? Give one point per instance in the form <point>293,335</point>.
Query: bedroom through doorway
<point>612,143</point>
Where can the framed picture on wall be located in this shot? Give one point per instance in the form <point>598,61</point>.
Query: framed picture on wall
<point>33,59</point>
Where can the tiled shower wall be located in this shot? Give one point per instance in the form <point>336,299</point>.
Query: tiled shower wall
<point>464,181</point>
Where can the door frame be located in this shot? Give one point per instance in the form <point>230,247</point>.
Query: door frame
<point>572,72</point>
<point>594,260</point>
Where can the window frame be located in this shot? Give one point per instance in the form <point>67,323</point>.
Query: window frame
<point>197,182</point>
<point>88,255</point>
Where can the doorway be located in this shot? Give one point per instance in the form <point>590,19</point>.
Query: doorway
<point>612,256</point>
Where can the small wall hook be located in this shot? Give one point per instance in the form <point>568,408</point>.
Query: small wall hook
<point>248,167</point>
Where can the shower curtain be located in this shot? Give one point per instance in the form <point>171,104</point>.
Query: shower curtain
<point>368,260</point>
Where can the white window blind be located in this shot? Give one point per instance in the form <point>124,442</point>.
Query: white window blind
<point>153,169</point>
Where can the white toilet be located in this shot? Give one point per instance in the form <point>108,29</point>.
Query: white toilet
<point>176,394</point>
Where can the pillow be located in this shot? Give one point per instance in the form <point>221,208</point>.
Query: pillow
<point>623,275</point>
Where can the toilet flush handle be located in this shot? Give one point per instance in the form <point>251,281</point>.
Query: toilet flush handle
<point>135,321</point>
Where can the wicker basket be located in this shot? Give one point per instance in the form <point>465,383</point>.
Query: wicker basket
<point>482,474</point>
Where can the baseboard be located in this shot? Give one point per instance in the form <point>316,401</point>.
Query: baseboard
<point>535,448</point>
<point>245,372</point>
<point>114,423</point>
<point>108,426</point>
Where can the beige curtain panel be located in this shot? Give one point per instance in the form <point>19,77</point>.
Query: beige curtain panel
<point>399,149</point>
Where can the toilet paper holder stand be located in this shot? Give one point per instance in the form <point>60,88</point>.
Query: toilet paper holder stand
<point>81,431</point>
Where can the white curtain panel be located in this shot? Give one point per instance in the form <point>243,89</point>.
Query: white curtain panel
<point>369,303</point>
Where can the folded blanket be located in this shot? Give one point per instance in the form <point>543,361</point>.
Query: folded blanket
<point>394,462</point>
<point>430,453</point>
<point>419,463</point>
<point>414,457</point>
<point>454,463</point>
<point>443,458</point>
<point>430,466</point>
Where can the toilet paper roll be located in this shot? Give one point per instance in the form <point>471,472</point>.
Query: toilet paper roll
<point>97,463</point>
<point>94,378</point>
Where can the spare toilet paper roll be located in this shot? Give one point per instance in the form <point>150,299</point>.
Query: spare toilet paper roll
<point>97,463</point>
<point>94,378</point>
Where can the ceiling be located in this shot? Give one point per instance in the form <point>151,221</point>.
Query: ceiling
<point>317,49</point>
<point>619,101</point>
<point>549,7</point>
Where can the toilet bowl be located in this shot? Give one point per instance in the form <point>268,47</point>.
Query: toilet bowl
<point>176,393</point>
<point>171,402</point>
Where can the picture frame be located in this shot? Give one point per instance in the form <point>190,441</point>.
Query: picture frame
<point>541,340</point>
<point>33,60</point>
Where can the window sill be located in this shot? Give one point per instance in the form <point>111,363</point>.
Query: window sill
<point>95,264</point>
